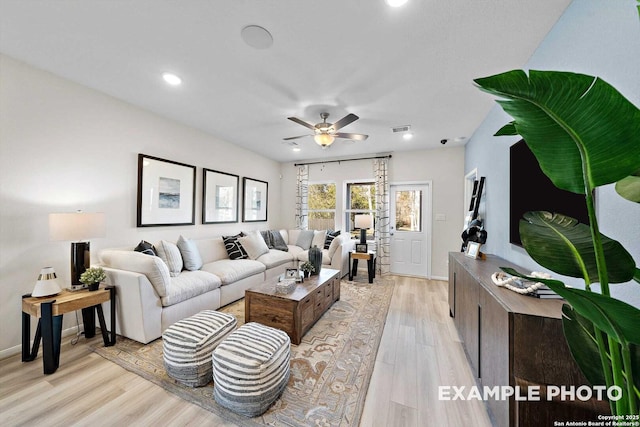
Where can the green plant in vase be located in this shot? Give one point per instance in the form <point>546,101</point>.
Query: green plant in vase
<point>584,134</point>
<point>308,268</point>
<point>92,277</point>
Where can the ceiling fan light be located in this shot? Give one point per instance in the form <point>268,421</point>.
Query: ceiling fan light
<point>324,139</point>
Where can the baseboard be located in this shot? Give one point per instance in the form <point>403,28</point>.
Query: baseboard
<point>12,351</point>
<point>445,278</point>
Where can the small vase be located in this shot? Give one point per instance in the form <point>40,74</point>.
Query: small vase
<point>94,286</point>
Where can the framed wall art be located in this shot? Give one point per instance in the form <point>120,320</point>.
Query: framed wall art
<point>166,192</point>
<point>219,197</point>
<point>254,206</point>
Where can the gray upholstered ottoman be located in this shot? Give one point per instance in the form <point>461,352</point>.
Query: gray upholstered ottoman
<point>188,343</point>
<point>251,368</point>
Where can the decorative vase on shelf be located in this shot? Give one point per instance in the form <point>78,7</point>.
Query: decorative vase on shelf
<point>315,258</point>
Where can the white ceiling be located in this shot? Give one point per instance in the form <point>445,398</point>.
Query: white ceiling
<point>413,65</point>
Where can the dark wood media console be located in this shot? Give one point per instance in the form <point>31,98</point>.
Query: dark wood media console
<point>515,340</point>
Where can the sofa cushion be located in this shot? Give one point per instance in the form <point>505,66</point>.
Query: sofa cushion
<point>170,254</point>
<point>211,249</point>
<point>190,284</point>
<point>146,248</point>
<point>234,249</point>
<point>304,239</point>
<point>303,256</point>
<point>253,244</point>
<point>295,251</point>
<point>330,236</point>
<point>274,258</point>
<point>151,266</point>
<point>278,242</point>
<point>190,254</point>
<point>230,271</point>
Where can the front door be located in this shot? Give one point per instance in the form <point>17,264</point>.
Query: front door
<point>410,213</point>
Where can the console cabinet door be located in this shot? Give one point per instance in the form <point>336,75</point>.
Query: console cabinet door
<point>467,310</point>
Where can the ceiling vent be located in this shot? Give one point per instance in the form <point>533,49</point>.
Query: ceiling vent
<point>404,128</point>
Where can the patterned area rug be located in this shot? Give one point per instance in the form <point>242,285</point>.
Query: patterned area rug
<point>330,369</point>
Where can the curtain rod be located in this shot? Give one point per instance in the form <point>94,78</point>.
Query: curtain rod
<point>344,160</point>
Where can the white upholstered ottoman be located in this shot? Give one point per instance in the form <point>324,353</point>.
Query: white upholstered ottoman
<point>188,343</point>
<point>251,368</point>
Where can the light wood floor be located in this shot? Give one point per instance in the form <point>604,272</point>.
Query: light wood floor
<point>420,350</point>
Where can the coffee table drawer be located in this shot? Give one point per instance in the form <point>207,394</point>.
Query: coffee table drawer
<point>307,312</point>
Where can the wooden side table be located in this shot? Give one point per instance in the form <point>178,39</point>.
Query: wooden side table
<point>49,311</point>
<point>371,263</point>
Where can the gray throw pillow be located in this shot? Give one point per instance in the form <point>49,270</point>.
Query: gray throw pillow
<point>304,239</point>
<point>266,235</point>
<point>190,254</point>
<point>278,241</point>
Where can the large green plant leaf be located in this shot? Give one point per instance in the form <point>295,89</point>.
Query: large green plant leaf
<point>571,120</point>
<point>579,333</point>
<point>616,318</point>
<point>629,187</point>
<point>563,245</point>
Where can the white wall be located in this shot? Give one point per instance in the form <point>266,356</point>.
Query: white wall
<point>65,147</point>
<point>444,167</point>
<point>592,37</point>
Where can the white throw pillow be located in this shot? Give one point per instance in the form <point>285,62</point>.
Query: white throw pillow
<point>254,244</point>
<point>318,238</point>
<point>190,254</point>
<point>170,254</point>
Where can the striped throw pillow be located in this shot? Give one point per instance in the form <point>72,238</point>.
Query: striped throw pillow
<point>234,248</point>
<point>330,236</point>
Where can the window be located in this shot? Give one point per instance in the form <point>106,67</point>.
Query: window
<point>321,205</point>
<point>361,199</point>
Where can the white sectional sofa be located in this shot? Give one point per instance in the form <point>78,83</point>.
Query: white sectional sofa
<point>152,294</point>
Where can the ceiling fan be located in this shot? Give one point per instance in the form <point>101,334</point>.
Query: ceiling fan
<point>325,133</point>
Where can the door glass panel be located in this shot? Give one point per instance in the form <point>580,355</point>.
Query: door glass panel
<point>409,210</point>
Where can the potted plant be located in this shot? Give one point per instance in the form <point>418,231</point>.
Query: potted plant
<point>584,134</point>
<point>92,277</point>
<point>308,268</point>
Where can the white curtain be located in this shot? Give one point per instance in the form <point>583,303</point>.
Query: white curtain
<point>302,195</point>
<point>383,239</point>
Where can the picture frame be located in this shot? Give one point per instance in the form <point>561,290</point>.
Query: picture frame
<point>362,248</point>
<point>473,250</point>
<point>166,192</point>
<point>255,200</point>
<point>219,197</point>
<point>292,273</point>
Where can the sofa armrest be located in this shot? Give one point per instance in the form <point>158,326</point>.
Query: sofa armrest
<point>138,306</point>
<point>340,259</point>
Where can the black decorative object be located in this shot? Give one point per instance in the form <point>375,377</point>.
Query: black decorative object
<point>475,231</point>
<point>315,258</point>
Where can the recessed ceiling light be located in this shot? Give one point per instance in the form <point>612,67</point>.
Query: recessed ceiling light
<point>407,136</point>
<point>171,79</point>
<point>396,3</point>
<point>256,37</point>
<point>296,149</point>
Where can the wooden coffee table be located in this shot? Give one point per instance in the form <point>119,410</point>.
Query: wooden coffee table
<point>296,312</point>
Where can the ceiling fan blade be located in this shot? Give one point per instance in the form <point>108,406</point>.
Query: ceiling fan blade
<point>354,136</point>
<point>294,137</point>
<point>303,123</point>
<point>349,118</point>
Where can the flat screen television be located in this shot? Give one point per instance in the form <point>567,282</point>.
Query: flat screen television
<point>531,190</point>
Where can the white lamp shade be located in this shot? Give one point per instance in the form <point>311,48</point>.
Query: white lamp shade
<point>363,221</point>
<point>76,226</point>
<point>47,283</point>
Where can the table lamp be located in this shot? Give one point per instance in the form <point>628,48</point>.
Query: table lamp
<point>77,227</point>
<point>363,222</point>
<point>47,283</point>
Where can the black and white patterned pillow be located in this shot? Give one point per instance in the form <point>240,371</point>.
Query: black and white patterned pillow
<point>234,248</point>
<point>330,236</point>
<point>146,248</point>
